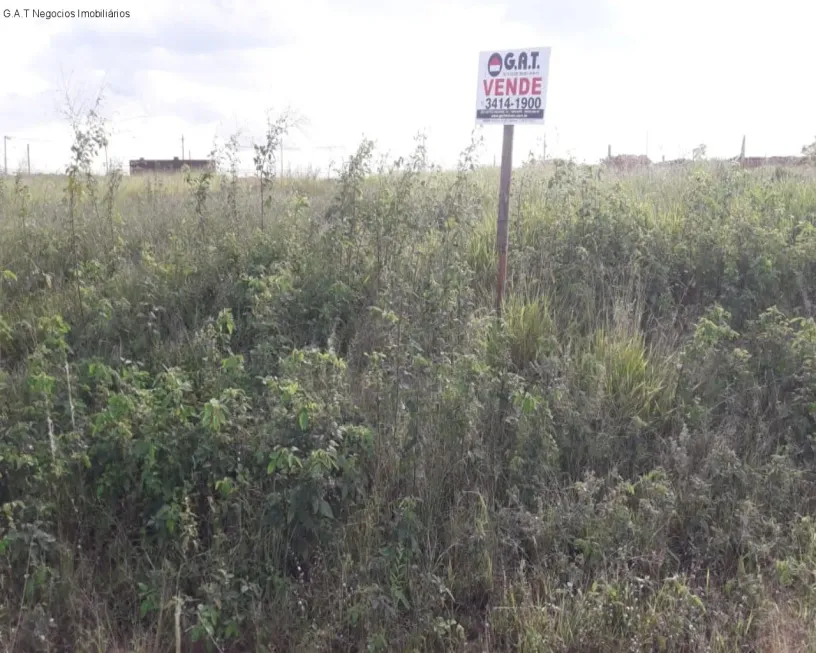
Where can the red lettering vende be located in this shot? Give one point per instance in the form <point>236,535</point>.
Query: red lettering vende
<point>512,86</point>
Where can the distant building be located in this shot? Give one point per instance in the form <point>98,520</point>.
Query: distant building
<point>763,161</point>
<point>143,166</point>
<point>627,161</point>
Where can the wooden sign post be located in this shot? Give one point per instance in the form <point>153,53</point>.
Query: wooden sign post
<point>502,231</point>
<point>512,90</point>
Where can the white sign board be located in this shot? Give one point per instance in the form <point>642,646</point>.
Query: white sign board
<point>512,86</point>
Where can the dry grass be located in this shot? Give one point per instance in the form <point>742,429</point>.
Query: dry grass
<point>784,630</point>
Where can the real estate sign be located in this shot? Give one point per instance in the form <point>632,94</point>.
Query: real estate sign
<point>512,86</point>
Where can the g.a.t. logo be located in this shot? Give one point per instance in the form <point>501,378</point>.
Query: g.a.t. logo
<point>521,60</point>
<point>494,64</point>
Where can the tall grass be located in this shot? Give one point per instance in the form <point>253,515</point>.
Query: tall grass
<point>308,432</point>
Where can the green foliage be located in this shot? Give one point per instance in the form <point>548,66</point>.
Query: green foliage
<point>530,329</point>
<point>317,436</point>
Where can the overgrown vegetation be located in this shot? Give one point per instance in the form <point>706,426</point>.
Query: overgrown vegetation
<point>308,432</point>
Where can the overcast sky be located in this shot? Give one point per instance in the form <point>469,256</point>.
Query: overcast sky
<point>647,76</point>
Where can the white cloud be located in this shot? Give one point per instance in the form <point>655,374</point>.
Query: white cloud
<point>627,72</point>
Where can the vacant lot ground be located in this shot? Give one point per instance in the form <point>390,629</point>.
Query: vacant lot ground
<point>303,428</point>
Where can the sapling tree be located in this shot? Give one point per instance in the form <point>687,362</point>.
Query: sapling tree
<point>810,150</point>
<point>232,161</point>
<point>266,153</point>
<point>265,158</point>
<point>22,193</point>
<point>200,184</point>
<point>90,138</point>
<point>113,181</point>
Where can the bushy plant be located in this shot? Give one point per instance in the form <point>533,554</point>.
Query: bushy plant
<point>317,435</point>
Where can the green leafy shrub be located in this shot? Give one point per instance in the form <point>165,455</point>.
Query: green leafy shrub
<point>284,416</point>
